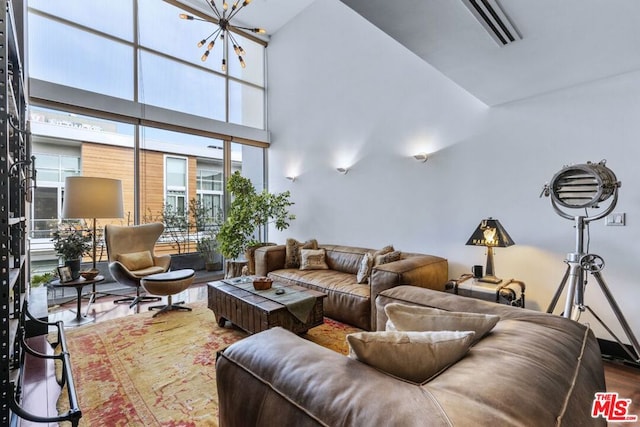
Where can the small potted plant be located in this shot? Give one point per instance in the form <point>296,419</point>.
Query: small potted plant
<point>208,249</point>
<point>72,243</point>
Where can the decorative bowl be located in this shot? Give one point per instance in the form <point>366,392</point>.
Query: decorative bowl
<point>89,274</point>
<point>262,283</point>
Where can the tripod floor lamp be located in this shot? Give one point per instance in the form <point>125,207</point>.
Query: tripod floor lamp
<point>92,197</point>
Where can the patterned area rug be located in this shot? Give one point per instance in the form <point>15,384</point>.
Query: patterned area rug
<point>141,371</point>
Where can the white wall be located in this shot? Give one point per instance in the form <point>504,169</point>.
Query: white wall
<point>341,93</point>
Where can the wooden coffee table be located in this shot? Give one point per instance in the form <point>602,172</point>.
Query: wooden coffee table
<point>254,313</point>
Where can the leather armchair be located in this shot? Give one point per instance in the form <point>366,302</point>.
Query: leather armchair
<point>130,250</point>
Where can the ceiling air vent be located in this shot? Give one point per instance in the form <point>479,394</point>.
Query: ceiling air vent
<point>493,19</point>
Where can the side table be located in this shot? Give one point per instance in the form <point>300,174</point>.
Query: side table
<point>78,284</point>
<point>509,292</point>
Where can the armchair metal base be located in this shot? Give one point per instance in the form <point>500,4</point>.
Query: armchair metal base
<point>170,306</point>
<point>135,300</point>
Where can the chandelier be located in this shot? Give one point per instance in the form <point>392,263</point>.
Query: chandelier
<point>224,30</point>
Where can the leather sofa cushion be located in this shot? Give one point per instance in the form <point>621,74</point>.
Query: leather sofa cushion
<point>154,269</point>
<point>346,259</point>
<point>347,301</point>
<point>330,280</point>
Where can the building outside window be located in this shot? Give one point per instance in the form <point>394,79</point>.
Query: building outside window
<point>176,185</point>
<point>142,69</point>
<point>209,184</point>
<point>51,170</point>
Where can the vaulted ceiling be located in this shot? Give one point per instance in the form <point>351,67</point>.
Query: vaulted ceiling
<point>564,42</point>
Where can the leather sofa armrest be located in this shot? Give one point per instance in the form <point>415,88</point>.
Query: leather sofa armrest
<point>426,271</point>
<point>278,378</point>
<point>269,258</point>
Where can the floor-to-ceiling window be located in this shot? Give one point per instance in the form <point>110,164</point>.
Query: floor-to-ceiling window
<point>119,87</point>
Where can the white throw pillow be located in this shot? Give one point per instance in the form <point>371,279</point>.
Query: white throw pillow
<point>413,356</point>
<point>365,268</point>
<point>404,317</point>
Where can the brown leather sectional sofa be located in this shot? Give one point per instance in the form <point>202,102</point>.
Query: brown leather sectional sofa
<point>532,369</point>
<point>348,301</point>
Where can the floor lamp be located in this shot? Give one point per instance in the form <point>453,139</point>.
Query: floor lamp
<point>91,197</point>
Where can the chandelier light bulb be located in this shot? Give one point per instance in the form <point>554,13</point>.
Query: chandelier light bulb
<point>185,16</point>
<point>225,6</point>
<point>201,42</point>
<point>205,55</point>
<point>259,30</point>
<point>224,65</point>
<point>242,64</point>
<point>210,46</point>
<point>236,49</point>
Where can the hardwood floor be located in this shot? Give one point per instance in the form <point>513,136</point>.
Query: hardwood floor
<point>620,378</point>
<point>624,380</point>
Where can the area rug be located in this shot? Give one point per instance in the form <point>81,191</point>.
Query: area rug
<point>144,371</point>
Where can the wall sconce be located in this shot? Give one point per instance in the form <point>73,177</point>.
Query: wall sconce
<point>421,157</point>
<point>343,171</point>
<point>291,178</point>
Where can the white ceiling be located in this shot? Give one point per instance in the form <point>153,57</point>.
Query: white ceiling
<point>267,14</point>
<point>564,42</point>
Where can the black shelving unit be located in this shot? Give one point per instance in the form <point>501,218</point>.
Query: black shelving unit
<point>14,185</point>
<point>17,180</point>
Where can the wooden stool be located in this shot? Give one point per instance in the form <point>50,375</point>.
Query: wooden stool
<point>168,284</point>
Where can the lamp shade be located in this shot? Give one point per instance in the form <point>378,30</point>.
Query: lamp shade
<point>490,233</point>
<point>91,197</point>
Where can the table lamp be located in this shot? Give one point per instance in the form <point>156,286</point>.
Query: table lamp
<point>491,234</point>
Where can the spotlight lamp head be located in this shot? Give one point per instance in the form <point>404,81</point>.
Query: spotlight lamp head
<point>583,186</point>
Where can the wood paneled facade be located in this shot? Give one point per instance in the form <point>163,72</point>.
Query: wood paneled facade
<point>107,161</point>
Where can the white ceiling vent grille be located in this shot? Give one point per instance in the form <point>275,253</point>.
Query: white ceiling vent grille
<point>493,19</point>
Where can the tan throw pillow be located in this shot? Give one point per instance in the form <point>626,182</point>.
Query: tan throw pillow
<point>292,251</point>
<point>384,250</point>
<point>404,317</point>
<point>136,260</point>
<point>387,258</point>
<point>413,356</point>
<point>313,259</point>
<point>365,268</point>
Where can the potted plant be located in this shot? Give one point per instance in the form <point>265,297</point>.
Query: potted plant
<point>72,244</point>
<point>208,249</point>
<point>249,213</point>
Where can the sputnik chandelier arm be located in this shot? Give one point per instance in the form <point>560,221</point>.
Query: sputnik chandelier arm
<point>224,30</point>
